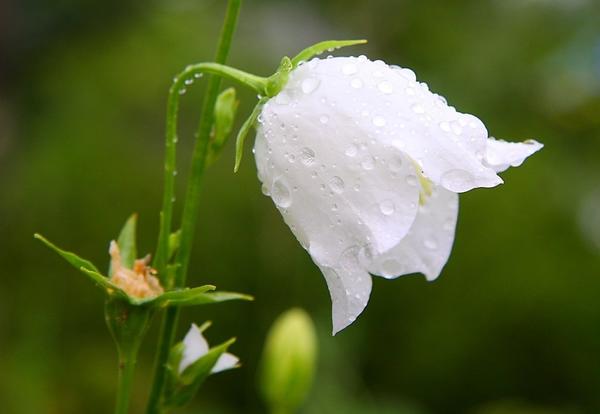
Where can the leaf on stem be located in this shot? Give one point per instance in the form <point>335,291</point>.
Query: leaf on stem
<point>318,48</point>
<point>243,133</point>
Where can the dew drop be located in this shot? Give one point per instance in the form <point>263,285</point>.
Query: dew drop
<point>281,194</point>
<point>337,184</point>
<point>307,156</point>
<point>430,244</point>
<point>395,164</point>
<point>408,74</point>
<point>323,119</point>
<point>457,180</point>
<point>379,121</point>
<point>188,81</point>
<point>349,69</point>
<point>449,225</point>
<point>411,180</point>
<point>418,109</point>
<point>387,207</point>
<point>368,163</point>
<point>334,207</point>
<point>351,151</point>
<point>309,85</point>
<point>182,91</point>
<point>385,87</point>
<point>391,268</point>
<point>265,190</point>
<point>356,83</point>
<point>198,75</point>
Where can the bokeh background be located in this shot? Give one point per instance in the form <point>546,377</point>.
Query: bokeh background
<point>512,326</point>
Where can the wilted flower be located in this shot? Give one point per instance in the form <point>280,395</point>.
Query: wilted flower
<point>365,164</point>
<point>139,282</point>
<point>195,347</point>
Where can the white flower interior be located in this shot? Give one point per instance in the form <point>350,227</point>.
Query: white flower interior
<point>364,164</point>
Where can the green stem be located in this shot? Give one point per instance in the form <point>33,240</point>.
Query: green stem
<point>188,222</point>
<point>126,370</point>
<point>177,89</point>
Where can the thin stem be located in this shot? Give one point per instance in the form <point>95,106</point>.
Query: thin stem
<point>188,221</point>
<point>126,370</point>
<point>177,89</point>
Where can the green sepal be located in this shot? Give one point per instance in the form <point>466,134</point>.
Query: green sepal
<point>182,387</point>
<point>70,257</point>
<point>243,133</point>
<point>127,243</point>
<point>225,110</point>
<point>277,81</point>
<point>84,266</point>
<point>127,324</point>
<point>318,48</point>
<point>198,296</point>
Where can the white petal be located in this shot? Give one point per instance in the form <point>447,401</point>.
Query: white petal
<point>397,111</point>
<point>195,346</point>
<point>427,246</point>
<point>226,361</point>
<point>500,155</point>
<point>339,187</point>
<point>349,287</point>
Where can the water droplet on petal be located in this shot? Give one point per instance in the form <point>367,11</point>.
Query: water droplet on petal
<point>408,74</point>
<point>337,184</point>
<point>349,69</point>
<point>281,194</point>
<point>418,109</point>
<point>351,151</point>
<point>379,121</point>
<point>445,126</point>
<point>356,83</point>
<point>368,163</point>
<point>324,119</point>
<point>265,190</point>
<point>430,244</point>
<point>387,207</point>
<point>391,268</point>
<point>309,85</point>
<point>307,156</point>
<point>457,180</point>
<point>449,225</point>
<point>385,87</point>
<point>395,164</point>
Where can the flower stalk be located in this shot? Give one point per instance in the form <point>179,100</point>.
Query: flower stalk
<point>192,200</point>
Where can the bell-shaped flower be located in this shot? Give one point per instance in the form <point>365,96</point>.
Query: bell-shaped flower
<point>195,347</point>
<point>365,164</point>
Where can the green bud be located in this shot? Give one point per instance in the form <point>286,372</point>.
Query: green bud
<point>225,109</point>
<point>288,361</point>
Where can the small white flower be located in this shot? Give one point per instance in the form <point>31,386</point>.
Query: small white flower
<point>195,347</point>
<point>365,164</point>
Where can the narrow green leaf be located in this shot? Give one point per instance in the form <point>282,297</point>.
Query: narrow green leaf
<point>110,287</point>
<point>193,297</point>
<point>318,48</point>
<point>70,257</point>
<point>243,133</point>
<point>127,243</point>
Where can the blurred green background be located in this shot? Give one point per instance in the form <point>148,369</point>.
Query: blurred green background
<point>512,326</point>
